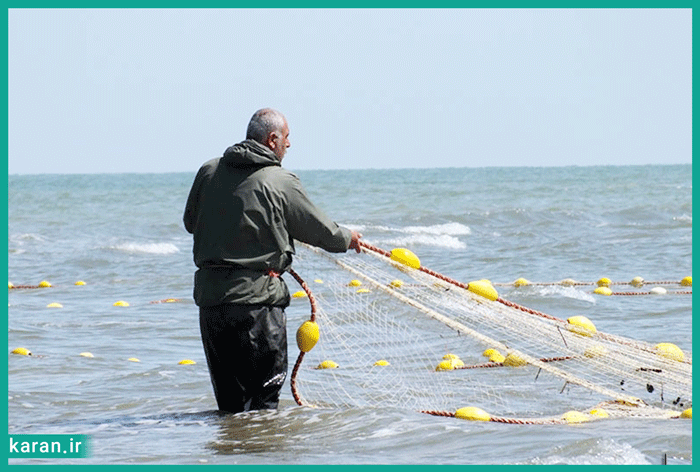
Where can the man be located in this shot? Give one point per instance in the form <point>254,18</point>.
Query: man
<point>244,211</point>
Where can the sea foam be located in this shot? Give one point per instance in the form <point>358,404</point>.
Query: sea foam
<point>146,248</point>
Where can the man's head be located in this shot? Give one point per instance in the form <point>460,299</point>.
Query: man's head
<point>269,128</point>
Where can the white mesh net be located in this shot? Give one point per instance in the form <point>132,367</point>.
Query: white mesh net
<point>416,325</point>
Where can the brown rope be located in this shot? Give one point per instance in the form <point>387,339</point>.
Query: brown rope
<point>495,419</point>
<point>293,379</point>
<point>312,299</point>
<point>421,268</point>
<point>446,414</point>
<point>649,293</point>
<point>575,284</point>
<point>314,309</point>
<point>488,365</point>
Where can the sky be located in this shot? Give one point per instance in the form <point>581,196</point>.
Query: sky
<point>164,90</point>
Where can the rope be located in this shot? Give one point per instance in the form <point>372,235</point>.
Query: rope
<point>305,287</point>
<point>496,419</point>
<point>573,283</point>
<point>297,365</point>
<point>422,269</point>
<point>684,292</point>
<point>508,303</point>
<point>501,364</point>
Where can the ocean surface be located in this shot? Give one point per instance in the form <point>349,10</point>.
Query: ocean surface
<point>122,235</point>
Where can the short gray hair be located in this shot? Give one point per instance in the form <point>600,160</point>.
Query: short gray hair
<point>264,122</point>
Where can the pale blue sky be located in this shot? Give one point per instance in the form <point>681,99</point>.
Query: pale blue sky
<point>164,90</point>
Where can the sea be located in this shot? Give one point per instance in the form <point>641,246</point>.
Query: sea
<point>106,353</point>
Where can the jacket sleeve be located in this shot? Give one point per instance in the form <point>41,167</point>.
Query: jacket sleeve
<point>190,216</point>
<point>309,224</point>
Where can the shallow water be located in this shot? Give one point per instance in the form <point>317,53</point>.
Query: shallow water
<point>122,235</point>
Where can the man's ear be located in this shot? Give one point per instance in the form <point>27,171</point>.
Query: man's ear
<point>270,141</point>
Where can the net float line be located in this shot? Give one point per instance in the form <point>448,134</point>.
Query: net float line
<point>300,358</point>
<point>609,337</point>
<point>607,409</point>
<point>421,268</point>
<point>682,292</point>
<point>576,284</point>
<point>496,419</point>
<point>488,365</point>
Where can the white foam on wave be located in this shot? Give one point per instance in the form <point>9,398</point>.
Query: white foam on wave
<point>602,452</point>
<point>27,237</point>
<point>444,240</point>
<point>452,229</point>
<point>565,291</point>
<point>440,235</point>
<point>146,248</point>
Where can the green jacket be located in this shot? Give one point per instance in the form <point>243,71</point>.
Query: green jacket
<point>244,211</point>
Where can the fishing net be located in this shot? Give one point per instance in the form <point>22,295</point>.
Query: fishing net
<point>399,336</point>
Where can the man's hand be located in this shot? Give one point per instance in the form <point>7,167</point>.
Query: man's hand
<point>355,241</point>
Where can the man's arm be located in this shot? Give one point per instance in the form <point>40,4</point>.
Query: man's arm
<point>309,224</point>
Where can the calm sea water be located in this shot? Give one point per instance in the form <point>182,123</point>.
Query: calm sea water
<point>122,235</point>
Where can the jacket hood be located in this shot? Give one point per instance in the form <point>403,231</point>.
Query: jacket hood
<point>250,153</point>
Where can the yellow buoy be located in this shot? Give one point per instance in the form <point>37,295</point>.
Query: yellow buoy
<point>186,362</point>
<point>382,363</point>
<point>445,365</point>
<point>396,283</point>
<point>355,283</point>
<point>687,281</point>
<point>603,291</point>
<point>362,290</point>
<point>573,417</point>
<point>637,282</point>
<point>513,360</point>
<point>568,282</point>
<point>497,357</point>
<point>405,257</point>
<point>133,359</point>
<point>484,289</point>
<point>327,364</point>
<point>121,303</point>
<point>80,282</point>
<point>86,354</point>
<point>604,282</point>
<point>10,285</point>
<point>22,351</point>
<point>687,414</point>
<point>521,282</point>
<point>44,284</point>
<point>581,325</point>
<point>599,412</point>
<point>318,281</point>
<point>299,294</point>
<point>472,413</point>
<point>670,351</point>
<point>454,362</point>
<point>54,305</point>
<point>307,335</point>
